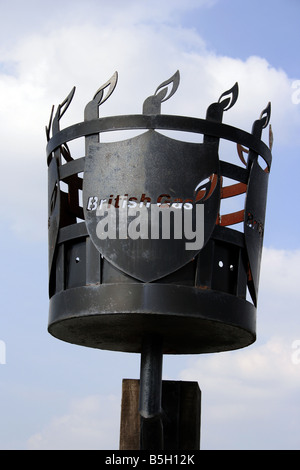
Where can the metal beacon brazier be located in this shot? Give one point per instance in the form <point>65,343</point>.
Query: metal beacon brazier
<point>142,257</point>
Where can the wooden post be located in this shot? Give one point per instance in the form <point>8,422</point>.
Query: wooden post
<point>181,404</point>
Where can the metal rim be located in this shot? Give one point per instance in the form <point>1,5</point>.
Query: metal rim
<point>209,321</point>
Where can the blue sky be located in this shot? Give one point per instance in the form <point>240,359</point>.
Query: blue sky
<point>54,395</point>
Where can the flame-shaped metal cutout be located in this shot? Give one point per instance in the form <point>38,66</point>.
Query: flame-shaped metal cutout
<point>152,104</point>
<point>232,97</point>
<point>205,189</point>
<point>48,128</point>
<point>111,83</point>
<point>175,81</point>
<point>92,108</point>
<point>265,115</point>
<point>61,109</point>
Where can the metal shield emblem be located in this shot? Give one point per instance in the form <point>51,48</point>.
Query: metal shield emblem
<point>141,200</point>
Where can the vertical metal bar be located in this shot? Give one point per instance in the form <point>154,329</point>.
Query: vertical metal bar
<point>93,263</point>
<point>151,435</point>
<point>204,267</point>
<point>241,282</point>
<point>60,269</point>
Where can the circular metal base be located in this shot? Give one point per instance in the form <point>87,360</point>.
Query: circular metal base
<point>117,316</point>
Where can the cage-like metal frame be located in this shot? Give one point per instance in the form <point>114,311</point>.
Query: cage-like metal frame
<point>200,308</point>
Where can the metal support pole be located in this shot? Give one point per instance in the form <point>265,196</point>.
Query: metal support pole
<point>151,436</point>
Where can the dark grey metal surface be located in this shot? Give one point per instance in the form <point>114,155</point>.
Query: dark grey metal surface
<point>54,204</point>
<point>144,169</point>
<point>116,317</point>
<point>124,293</point>
<point>255,206</point>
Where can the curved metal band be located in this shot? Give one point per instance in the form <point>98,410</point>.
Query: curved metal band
<point>71,168</point>
<point>222,233</point>
<point>227,169</point>
<point>167,122</point>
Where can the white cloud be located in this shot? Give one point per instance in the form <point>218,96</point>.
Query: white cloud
<point>47,66</point>
<point>279,294</point>
<point>280,275</point>
<point>247,393</point>
<point>154,11</point>
<point>91,423</point>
